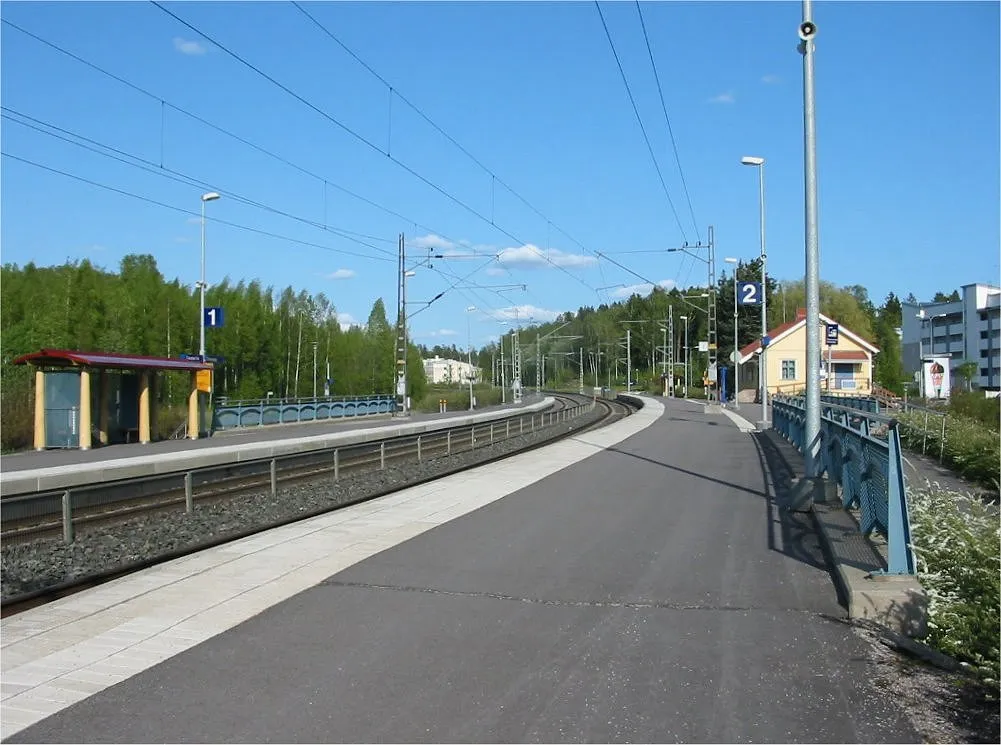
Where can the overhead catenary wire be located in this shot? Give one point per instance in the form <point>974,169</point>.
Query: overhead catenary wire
<point>185,211</point>
<point>222,130</point>
<point>670,129</point>
<point>395,92</point>
<point>177,176</point>
<point>364,140</point>
<point>639,120</point>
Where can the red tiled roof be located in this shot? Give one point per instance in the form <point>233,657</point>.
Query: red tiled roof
<point>772,333</point>
<point>849,355</point>
<point>68,357</point>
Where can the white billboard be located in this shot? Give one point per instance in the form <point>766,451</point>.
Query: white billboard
<point>935,376</point>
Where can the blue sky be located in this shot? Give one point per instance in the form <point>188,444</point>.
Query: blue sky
<point>907,127</point>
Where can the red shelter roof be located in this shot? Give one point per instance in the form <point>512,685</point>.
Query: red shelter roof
<point>71,358</point>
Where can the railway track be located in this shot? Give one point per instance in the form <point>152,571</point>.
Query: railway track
<point>119,505</point>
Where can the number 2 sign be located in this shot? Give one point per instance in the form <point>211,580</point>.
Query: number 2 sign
<point>749,293</point>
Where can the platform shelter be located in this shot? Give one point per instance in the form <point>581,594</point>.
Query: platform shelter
<point>66,396</point>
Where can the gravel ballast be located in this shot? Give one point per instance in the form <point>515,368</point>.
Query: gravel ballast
<point>50,562</point>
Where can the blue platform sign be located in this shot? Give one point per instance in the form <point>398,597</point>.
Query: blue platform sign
<point>213,318</point>
<point>749,293</point>
<point>832,334</point>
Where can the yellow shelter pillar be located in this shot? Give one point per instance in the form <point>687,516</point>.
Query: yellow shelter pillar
<point>102,413</point>
<point>154,386</point>
<point>144,407</point>
<point>39,409</point>
<point>85,421</point>
<point>193,407</point>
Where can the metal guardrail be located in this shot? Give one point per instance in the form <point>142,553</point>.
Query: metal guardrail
<point>263,412</point>
<point>67,502</point>
<point>862,403</point>
<point>860,451</point>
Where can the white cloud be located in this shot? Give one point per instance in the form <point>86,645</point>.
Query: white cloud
<point>189,47</point>
<point>440,332</point>
<point>496,271</point>
<point>346,320</point>
<point>431,241</point>
<point>529,256</point>
<point>727,97</point>
<point>525,312</point>
<point>340,274</point>
<point>643,288</point>
<point>769,79</point>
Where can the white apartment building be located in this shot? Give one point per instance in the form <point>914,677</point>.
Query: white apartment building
<point>439,370</point>
<point>965,329</point>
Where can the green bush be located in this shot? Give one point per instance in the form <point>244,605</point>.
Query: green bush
<point>976,406</point>
<point>458,399</point>
<point>957,545</point>
<point>970,449</point>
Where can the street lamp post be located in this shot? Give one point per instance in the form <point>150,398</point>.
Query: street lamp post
<point>210,196</point>
<point>759,163</point>
<point>736,337</point>
<point>685,319</point>
<point>469,354</point>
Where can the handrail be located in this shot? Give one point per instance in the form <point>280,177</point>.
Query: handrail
<point>860,451</point>
<point>65,500</point>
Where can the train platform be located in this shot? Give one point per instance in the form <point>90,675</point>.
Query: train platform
<point>24,461</point>
<point>99,467</point>
<point>633,583</point>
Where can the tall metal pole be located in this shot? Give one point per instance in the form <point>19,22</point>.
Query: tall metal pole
<point>315,345</point>
<point>401,332</point>
<point>629,361</point>
<point>670,333</point>
<point>201,304</point>
<point>807,32</point>
<point>685,319</point>
<point>764,297</point>
<point>503,373</point>
<point>713,367</point>
<point>736,345</point>
<point>469,356</point>
<point>581,389</point>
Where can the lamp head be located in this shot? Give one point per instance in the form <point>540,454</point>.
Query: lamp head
<point>210,196</point>
<point>751,160</point>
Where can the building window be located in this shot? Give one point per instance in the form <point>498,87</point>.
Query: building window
<point>983,334</point>
<point>788,369</point>
<point>983,372</point>
<point>983,354</point>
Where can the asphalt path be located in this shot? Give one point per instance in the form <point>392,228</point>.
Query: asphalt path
<point>649,593</point>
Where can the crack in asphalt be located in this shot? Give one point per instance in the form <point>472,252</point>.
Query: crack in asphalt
<point>632,604</point>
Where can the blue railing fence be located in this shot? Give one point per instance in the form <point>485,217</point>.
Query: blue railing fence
<point>262,412</point>
<point>860,452</point>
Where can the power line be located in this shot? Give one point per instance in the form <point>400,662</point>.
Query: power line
<point>670,130</point>
<point>639,119</point>
<point>395,92</point>
<point>362,139</point>
<point>177,176</point>
<point>182,210</point>
<point>181,110</point>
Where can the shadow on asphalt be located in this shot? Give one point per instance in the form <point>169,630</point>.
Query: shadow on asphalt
<point>696,421</point>
<point>799,539</point>
<point>687,472</point>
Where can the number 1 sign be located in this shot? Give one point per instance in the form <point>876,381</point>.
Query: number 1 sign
<point>213,318</point>
<point>749,293</point>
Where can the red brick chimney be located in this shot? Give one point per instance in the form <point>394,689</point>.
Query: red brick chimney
<point>800,314</point>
